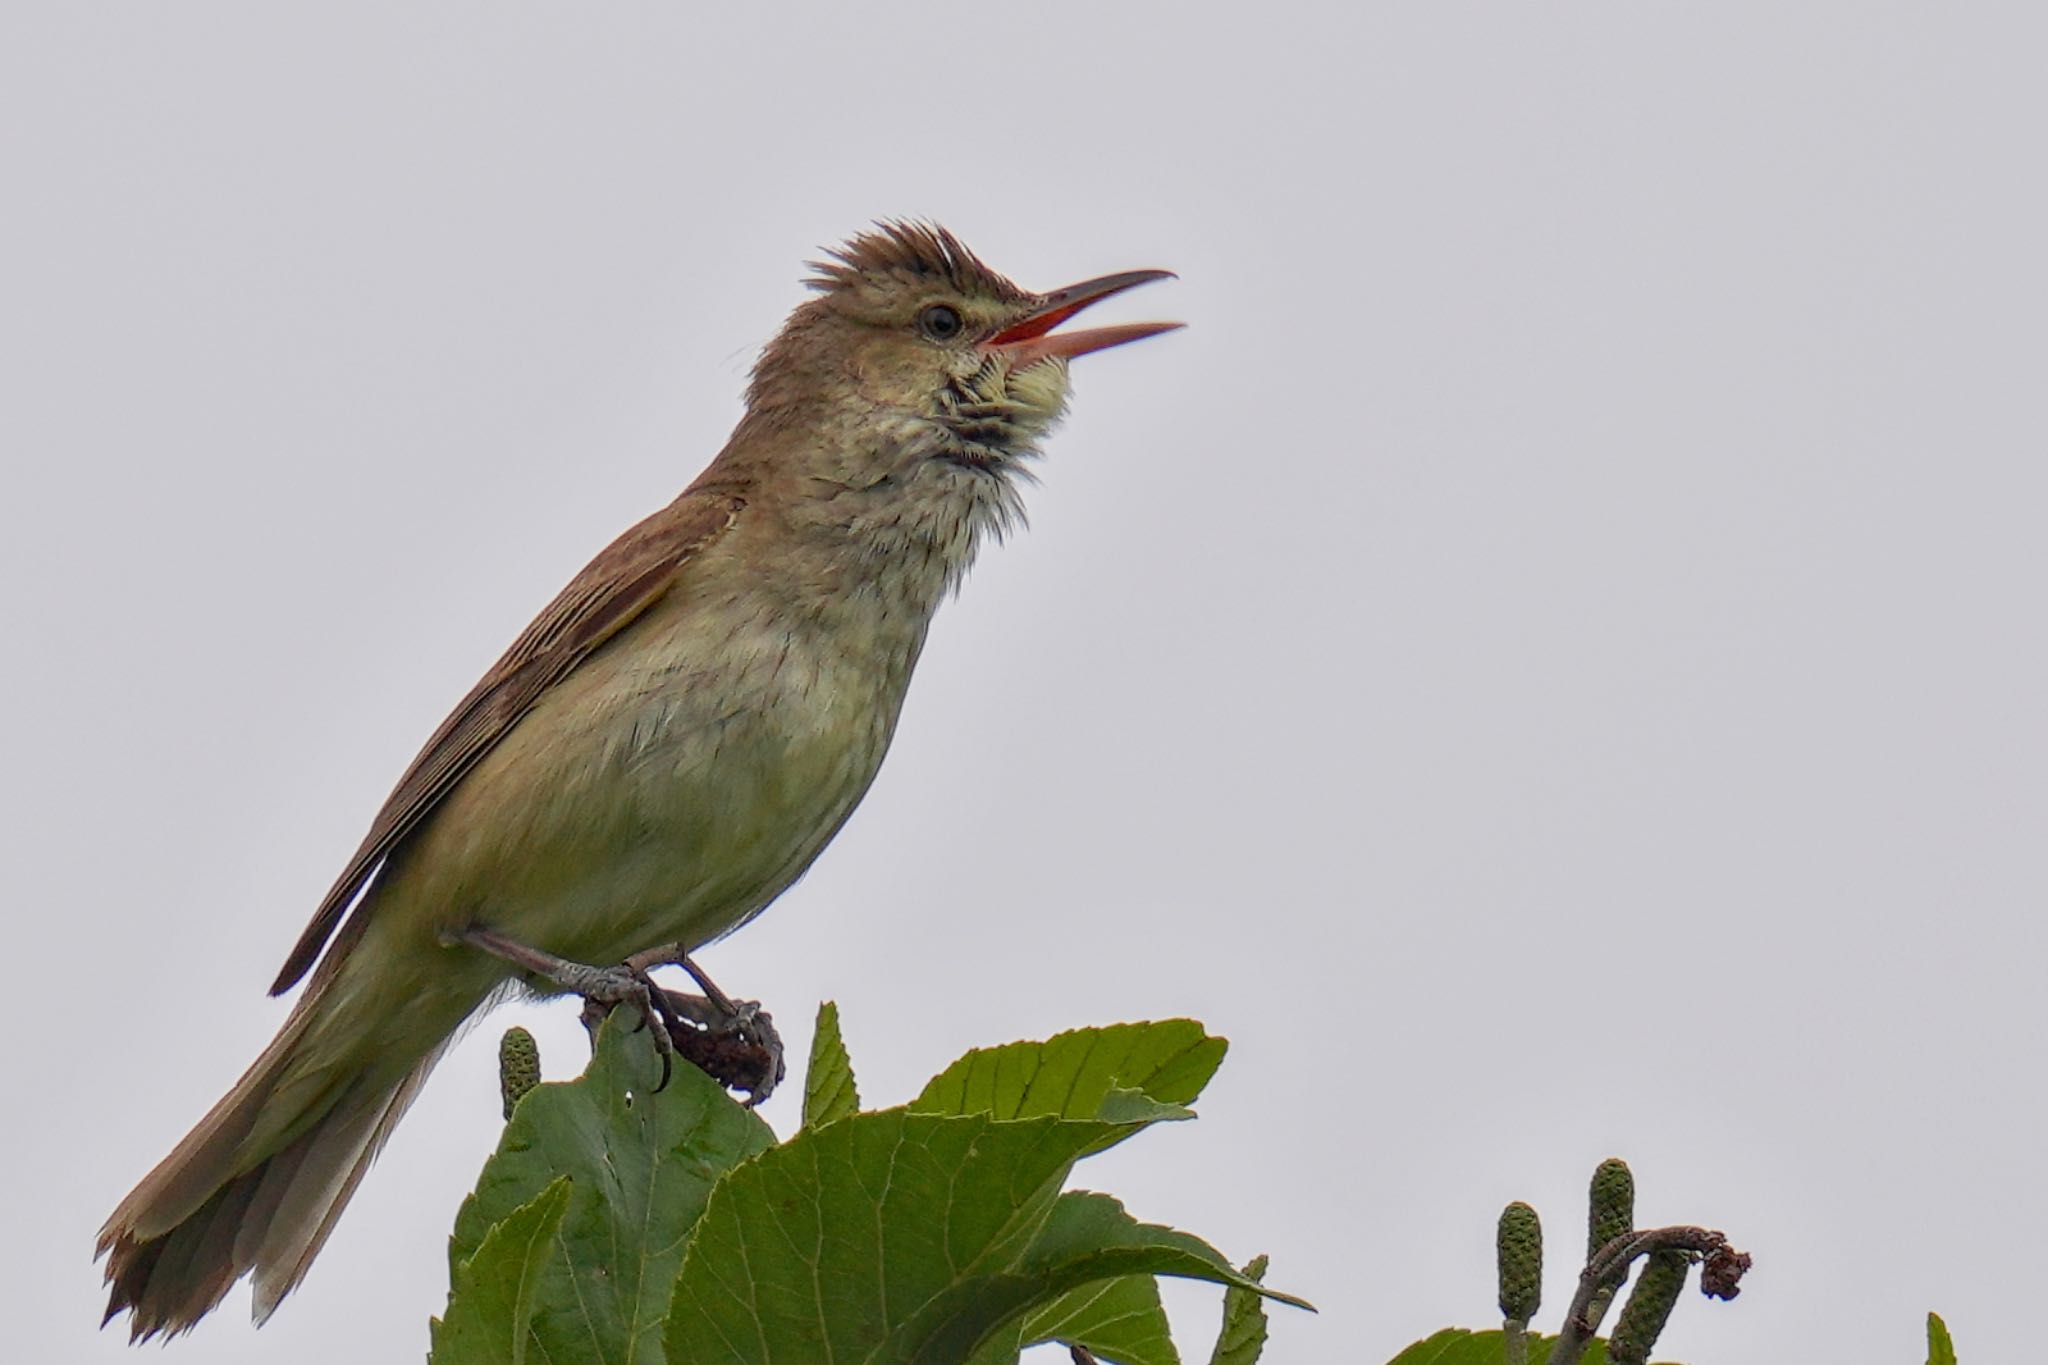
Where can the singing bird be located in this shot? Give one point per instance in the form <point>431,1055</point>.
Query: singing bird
<point>656,758</point>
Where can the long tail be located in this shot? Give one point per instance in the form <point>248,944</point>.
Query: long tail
<point>257,1186</point>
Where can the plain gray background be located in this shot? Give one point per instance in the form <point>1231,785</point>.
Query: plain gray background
<point>1550,663</point>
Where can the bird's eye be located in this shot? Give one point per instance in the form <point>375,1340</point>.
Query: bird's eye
<point>940,322</point>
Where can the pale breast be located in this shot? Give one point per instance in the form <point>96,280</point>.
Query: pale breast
<point>667,790</point>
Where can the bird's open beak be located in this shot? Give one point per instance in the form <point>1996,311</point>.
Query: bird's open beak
<point>1029,339</point>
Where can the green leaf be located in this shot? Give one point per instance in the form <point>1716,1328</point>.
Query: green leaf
<point>492,1301</point>
<point>909,1238</point>
<point>1087,1238</point>
<point>641,1167</point>
<point>1452,1346</point>
<point>1135,1107</point>
<point>1456,1346</point>
<point>1243,1336</point>
<point>1001,1347</point>
<point>829,1091</point>
<point>1121,1321</point>
<point>1071,1074</point>
<point>1940,1349</point>
<point>819,1248</point>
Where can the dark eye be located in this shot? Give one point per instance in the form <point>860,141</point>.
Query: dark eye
<point>940,322</point>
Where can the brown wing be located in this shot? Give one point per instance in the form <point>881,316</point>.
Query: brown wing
<point>629,576</point>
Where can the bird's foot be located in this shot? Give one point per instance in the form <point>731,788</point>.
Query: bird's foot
<point>732,1041</point>
<point>603,989</point>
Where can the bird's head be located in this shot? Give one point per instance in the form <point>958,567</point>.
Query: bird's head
<point>911,332</point>
<point>888,422</point>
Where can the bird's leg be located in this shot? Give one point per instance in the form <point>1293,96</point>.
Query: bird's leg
<point>734,1041</point>
<point>602,988</point>
<point>678,955</point>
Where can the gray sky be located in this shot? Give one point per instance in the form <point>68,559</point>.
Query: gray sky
<point>1550,663</point>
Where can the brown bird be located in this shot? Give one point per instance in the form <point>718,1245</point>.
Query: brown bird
<point>655,759</point>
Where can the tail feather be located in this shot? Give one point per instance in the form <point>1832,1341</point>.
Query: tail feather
<point>299,1227</point>
<point>227,1202</point>
<point>171,1281</point>
<point>206,1161</point>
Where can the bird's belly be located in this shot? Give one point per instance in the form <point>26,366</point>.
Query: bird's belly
<point>654,800</point>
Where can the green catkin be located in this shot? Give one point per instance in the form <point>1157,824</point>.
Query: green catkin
<point>518,1066</point>
<point>1648,1308</point>
<point>1519,1245</point>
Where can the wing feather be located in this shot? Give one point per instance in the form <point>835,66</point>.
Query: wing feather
<point>627,578</point>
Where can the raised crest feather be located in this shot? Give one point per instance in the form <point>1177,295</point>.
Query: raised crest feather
<point>911,251</point>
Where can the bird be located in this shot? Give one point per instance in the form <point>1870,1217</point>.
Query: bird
<point>655,759</point>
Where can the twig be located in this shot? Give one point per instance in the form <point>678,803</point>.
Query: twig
<point>1514,1335</point>
<point>1720,1278</point>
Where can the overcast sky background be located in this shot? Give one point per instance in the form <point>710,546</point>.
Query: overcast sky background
<point>1550,663</point>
